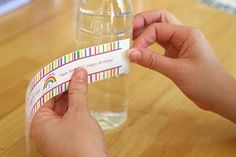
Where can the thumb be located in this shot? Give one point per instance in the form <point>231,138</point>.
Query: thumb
<point>78,91</point>
<point>154,61</point>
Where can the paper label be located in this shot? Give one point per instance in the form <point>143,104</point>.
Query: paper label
<point>101,62</point>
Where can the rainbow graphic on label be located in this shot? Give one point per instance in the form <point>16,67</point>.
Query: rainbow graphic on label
<point>49,82</point>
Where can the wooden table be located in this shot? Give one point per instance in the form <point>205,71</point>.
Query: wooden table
<point>161,122</point>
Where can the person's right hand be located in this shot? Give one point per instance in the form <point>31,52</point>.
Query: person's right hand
<point>189,61</point>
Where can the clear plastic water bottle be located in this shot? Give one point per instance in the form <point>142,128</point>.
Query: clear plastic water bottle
<point>99,22</point>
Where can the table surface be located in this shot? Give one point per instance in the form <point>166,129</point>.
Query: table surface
<point>161,122</point>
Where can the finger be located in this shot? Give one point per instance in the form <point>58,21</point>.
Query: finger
<point>165,35</point>
<point>137,33</point>
<point>149,17</point>
<point>143,20</point>
<point>78,91</point>
<point>47,109</point>
<point>49,105</point>
<point>154,61</point>
<point>61,104</point>
<point>44,112</point>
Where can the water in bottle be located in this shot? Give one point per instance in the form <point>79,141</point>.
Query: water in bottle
<point>99,22</point>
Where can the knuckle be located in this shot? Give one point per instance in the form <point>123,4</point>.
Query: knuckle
<point>138,15</point>
<point>196,35</point>
<point>194,31</point>
<point>164,12</point>
<point>80,89</point>
<point>79,108</point>
<point>155,25</point>
<point>152,61</point>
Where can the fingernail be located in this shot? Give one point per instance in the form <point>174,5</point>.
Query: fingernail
<point>81,75</point>
<point>134,55</point>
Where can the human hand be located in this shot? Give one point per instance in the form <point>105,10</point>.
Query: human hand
<point>64,127</point>
<point>189,61</point>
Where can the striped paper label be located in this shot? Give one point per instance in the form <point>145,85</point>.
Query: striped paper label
<point>102,62</point>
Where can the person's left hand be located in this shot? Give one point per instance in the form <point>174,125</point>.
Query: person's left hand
<point>64,127</point>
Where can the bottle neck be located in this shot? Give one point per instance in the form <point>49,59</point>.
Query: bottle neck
<point>107,6</point>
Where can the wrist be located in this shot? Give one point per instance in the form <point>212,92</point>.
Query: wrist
<point>226,102</point>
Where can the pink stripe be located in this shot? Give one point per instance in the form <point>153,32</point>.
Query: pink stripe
<point>90,51</point>
<point>111,46</point>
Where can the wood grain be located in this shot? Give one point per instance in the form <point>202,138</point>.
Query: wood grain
<point>161,122</point>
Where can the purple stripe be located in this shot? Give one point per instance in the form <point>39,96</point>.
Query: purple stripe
<point>90,51</point>
<point>91,78</point>
<point>61,61</point>
<point>95,77</point>
<point>118,70</point>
